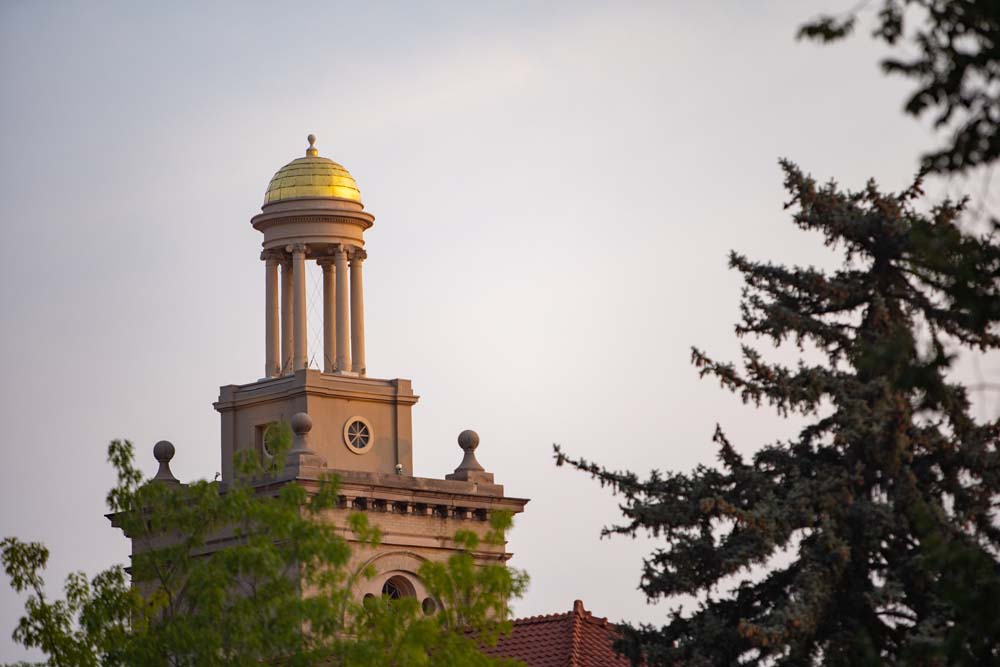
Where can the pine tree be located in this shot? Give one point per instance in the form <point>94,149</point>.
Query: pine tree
<point>951,50</point>
<point>871,538</point>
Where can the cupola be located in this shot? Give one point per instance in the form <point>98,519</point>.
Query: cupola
<point>312,211</point>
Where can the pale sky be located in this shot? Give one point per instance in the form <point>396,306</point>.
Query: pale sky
<point>556,187</point>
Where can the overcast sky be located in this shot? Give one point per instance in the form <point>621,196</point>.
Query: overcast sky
<point>555,185</point>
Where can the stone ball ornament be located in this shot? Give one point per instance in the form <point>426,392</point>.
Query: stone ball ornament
<point>301,423</point>
<point>164,451</point>
<point>468,440</point>
<point>470,470</point>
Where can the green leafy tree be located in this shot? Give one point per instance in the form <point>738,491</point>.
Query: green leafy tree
<point>872,537</point>
<point>952,53</point>
<point>280,591</point>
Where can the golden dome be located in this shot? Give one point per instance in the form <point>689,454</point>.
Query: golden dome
<point>312,176</point>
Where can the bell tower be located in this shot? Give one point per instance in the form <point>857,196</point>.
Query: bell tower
<point>345,422</point>
<point>312,212</point>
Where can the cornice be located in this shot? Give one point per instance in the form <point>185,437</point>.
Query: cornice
<point>314,383</point>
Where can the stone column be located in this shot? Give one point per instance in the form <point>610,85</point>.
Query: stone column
<point>357,312</point>
<point>343,349</point>
<point>300,353</point>
<point>286,315</point>
<point>272,355</point>
<point>329,316</point>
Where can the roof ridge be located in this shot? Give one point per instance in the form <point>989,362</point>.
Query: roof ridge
<point>574,638</point>
<point>599,620</point>
<point>541,618</point>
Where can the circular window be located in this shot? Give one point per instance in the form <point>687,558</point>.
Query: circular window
<point>271,439</point>
<point>358,435</point>
<point>429,606</point>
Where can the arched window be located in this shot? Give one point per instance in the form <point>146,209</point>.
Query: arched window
<point>397,587</point>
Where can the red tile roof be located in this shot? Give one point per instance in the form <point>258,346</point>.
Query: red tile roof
<point>573,639</point>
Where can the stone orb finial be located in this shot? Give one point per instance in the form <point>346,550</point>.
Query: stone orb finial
<point>301,423</point>
<point>164,451</point>
<point>469,469</point>
<point>468,440</point>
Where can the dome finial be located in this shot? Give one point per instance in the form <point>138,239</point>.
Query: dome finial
<point>311,151</point>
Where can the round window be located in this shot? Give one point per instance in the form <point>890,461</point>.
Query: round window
<point>358,435</point>
<point>272,439</point>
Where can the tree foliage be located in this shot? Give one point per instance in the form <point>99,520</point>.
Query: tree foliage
<point>871,538</point>
<point>953,56</point>
<point>281,591</point>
